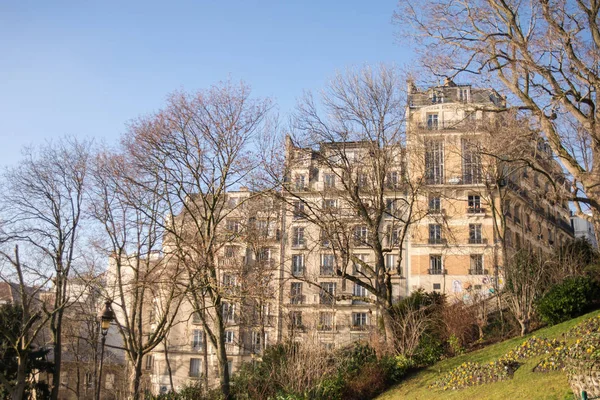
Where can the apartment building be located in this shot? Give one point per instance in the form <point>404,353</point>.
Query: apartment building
<point>477,201</point>
<point>431,210</point>
<point>247,279</point>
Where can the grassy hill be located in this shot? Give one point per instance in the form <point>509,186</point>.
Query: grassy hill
<point>525,384</point>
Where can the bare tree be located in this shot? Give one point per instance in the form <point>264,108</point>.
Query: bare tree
<point>197,149</point>
<point>524,274</point>
<point>43,205</point>
<point>357,192</point>
<point>141,279</point>
<point>31,322</point>
<point>544,52</point>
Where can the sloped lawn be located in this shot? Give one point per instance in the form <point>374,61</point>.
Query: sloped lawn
<point>525,383</point>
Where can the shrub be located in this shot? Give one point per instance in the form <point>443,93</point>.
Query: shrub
<point>569,299</point>
<point>429,351</point>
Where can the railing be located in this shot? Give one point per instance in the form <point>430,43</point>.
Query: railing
<point>437,271</point>
<point>433,211</point>
<point>299,244</point>
<point>477,241</point>
<point>475,210</point>
<point>478,271</point>
<point>196,346</point>
<point>449,125</point>
<point>326,298</point>
<point>297,299</point>
<point>437,241</point>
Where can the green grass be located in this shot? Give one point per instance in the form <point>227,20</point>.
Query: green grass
<point>525,384</point>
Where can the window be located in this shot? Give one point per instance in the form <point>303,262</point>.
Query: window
<point>299,210</point>
<point>264,254</point>
<point>329,181</point>
<point>476,265</point>
<point>325,321</point>
<point>195,364</point>
<point>435,234</point>
<point>517,216</point>
<point>435,204</point>
<point>463,94</point>
<point>359,290</point>
<point>298,236</point>
<point>228,312</point>
<point>475,234</point>
<point>233,225</point>
<point>435,265</point>
<point>229,337</point>
<point>434,162</point>
<point>230,251</point>
<point>325,242</point>
<point>233,202</point>
<point>298,264</point>
<point>390,207</point>
<point>390,261</point>
<point>327,294</point>
<point>296,293</point>
<point>256,342</point>
<point>356,266</point>
<point>296,319</point>
<point>393,180</point>
<point>300,183</point>
<point>197,339</point>
<point>471,162</point>
<point>361,235</point>
<point>330,205</point>
<point>229,281</point>
<point>149,362</point>
<point>474,204</point>
<point>362,180</point>
<point>437,286</point>
<point>392,236</point>
<point>432,119</point>
<point>263,228</point>
<point>359,320</point>
<point>327,264</point>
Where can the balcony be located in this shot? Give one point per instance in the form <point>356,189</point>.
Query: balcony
<point>475,210</point>
<point>433,211</point>
<point>359,327</point>
<point>437,271</point>
<point>449,125</point>
<point>437,241</point>
<point>325,328</point>
<point>478,271</point>
<point>299,244</point>
<point>478,241</point>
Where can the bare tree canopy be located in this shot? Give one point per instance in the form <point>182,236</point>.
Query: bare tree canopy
<point>544,52</point>
<point>43,209</point>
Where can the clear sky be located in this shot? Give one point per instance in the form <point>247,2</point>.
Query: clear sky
<point>85,68</point>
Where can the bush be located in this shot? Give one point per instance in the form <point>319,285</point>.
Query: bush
<point>568,299</point>
<point>429,351</point>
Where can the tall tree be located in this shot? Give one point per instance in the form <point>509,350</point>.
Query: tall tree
<point>141,278</point>
<point>197,148</point>
<point>42,203</point>
<point>545,52</point>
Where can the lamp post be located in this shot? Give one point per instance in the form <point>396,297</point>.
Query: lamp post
<point>106,316</point>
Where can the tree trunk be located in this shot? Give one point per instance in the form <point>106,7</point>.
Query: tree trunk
<point>57,349</point>
<point>137,378</point>
<point>19,390</point>
<point>222,358</point>
<point>388,330</point>
<point>524,322</point>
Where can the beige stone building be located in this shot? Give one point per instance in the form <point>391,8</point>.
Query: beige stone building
<point>477,201</point>
<point>430,210</point>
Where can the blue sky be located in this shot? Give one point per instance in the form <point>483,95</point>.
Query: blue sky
<point>86,68</point>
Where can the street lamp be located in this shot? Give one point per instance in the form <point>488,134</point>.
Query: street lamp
<point>106,316</point>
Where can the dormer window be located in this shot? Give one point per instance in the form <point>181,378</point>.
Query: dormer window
<point>463,94</point>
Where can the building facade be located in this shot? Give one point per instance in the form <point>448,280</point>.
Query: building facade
<point>436,209</point>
